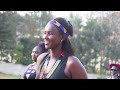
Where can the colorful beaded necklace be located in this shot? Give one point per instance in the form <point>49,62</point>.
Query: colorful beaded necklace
<point>52,70</point>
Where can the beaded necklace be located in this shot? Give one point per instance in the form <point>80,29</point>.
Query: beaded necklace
<point>52,70</point>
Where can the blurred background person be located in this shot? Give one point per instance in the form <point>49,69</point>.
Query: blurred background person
<point>30,72</point>
<point>114,71</point>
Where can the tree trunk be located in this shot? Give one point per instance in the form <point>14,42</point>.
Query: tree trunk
<point>101,65</point>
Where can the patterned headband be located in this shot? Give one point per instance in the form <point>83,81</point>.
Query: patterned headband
<point>61,28</point>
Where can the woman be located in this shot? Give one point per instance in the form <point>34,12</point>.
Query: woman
<point>115,71</point>
<point>31,69</point>
<point>60,62</point>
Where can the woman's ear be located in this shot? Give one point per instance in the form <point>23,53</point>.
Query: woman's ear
<point>63,37</point>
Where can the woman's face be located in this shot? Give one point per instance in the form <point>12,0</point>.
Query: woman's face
<point>52,37</point>
<point>114,71</point>
<point>35,53</point>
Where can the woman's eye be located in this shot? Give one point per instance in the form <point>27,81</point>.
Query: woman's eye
<point>44,32</point>
<point>51,33</point>
<point>32,51</point>
<point>36,52</point>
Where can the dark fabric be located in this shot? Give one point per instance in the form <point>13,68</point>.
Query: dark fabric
<point>40,65</point>
<point>59,72</point>
<point>30,72</point>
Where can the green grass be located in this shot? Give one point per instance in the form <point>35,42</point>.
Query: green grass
<point>9,76</point>
<point>101,77</point>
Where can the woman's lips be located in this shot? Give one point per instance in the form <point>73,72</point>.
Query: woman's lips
<point>46,43</point>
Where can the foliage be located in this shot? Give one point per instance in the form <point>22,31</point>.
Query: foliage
<point>96,44</point>
<point>102,77</point>
<point>9,76</point>
<point>8,23</point>
<point>19,34</point>
<point>23,51</point>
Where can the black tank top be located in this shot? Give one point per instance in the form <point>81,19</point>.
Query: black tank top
<point>30,72</point>
<point>58,72</point>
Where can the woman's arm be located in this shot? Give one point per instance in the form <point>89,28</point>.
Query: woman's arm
<point>76,69</point>
<point>39,59</point>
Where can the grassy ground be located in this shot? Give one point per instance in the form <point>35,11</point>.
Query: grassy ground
<point>9,76</point>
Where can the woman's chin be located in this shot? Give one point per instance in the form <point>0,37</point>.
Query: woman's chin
<point>47,47</point>
<point>34,60</point>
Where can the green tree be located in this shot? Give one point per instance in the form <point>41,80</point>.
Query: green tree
<point>7,32</point>
<point>23,51</point>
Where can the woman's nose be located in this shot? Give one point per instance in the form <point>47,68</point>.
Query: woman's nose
<point>32,54</point>
<point>45,36</point>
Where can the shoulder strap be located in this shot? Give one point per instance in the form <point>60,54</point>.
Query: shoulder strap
<point>40,65</point>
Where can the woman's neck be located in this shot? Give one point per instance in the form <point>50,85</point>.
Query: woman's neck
<point>54,54</point>
<point>35,63</point>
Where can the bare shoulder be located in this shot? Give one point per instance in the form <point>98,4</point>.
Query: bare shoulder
<point>73,60</point>
<point>40,57</point>
<point>76,68</point>
<point>28,66</point>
